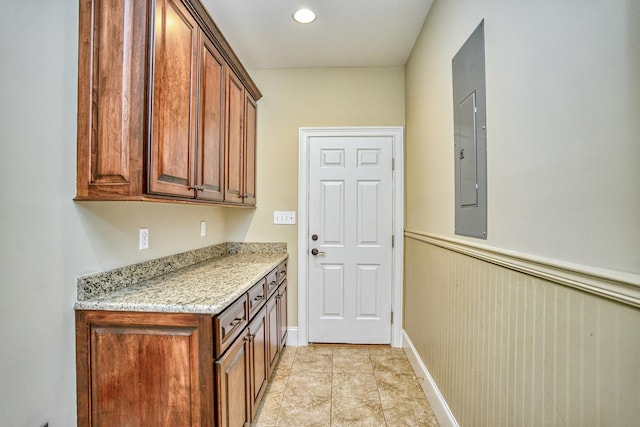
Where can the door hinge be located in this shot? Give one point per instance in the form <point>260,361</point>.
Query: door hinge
<point>393,241</point>
<point>392,317</point>
<point>393,164</point>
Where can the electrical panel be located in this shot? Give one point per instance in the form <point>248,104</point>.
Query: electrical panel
<point>470,142</point>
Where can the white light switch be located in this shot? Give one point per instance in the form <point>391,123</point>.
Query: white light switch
<point>203,228</point>
<point>284,217</point>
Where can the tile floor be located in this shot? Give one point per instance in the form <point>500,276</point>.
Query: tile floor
<point>340,385</point>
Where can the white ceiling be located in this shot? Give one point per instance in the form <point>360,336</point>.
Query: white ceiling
<point>346,33</point>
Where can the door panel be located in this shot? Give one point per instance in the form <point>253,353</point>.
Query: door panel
<point>332,206</point>
<point>367,287</point>
<point>332,291</point>
<point>350,210</point>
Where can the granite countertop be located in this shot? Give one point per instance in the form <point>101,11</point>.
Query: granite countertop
<point>207,286</point>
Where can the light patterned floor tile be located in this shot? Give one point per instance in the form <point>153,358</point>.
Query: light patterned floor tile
<point>344,386</point>
<point>307,410</point>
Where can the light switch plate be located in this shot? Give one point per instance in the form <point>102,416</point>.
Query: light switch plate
<point>284,217</point>
<point>203,228</point>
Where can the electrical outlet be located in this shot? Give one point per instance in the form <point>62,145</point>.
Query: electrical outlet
<point>143,242</point>
<point>284,217</point>
<point>203,228</point>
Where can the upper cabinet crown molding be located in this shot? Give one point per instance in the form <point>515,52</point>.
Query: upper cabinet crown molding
<point>153,118</point>
<point>211,29</point>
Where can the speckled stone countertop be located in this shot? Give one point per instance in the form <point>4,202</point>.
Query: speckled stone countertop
<point>202,286</point>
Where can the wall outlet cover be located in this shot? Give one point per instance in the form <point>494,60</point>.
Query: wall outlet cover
<point>143,241</point>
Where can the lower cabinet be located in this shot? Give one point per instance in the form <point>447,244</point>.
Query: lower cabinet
<point>264,341</point>
<point>144,369</point>
<point>172,369</point>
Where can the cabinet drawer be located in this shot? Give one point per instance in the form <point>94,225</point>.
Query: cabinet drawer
<point>257,297</point>
<point>272,281</point>
<point>230,323</point>
<point>282,271</point>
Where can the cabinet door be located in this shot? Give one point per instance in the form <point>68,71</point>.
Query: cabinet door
<point>249,176</point>
<point>232,383</point>
<point>111,97</point>
<point>144,369</point>
<point>234,143</point>
<point>210,165</point>
<point>273,347</point>
<point>282,312</point>
<point>173,131</point>
<point>258,359</point>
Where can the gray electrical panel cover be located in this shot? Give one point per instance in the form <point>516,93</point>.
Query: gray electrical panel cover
<point>470,143</point>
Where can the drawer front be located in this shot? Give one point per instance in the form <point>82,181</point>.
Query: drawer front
<point>282,271</point>
<point>230,323</point>
<point>257,297</point>
<point>272,281</point>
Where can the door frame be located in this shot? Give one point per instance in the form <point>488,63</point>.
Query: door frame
<point>397,268</point>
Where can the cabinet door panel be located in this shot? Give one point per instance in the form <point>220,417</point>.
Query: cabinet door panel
<point>273,347</point>
<point>259,365</point>
<point>137,380</point>
<point>282,312</point>
<point>174,98</point>
<point>250,151</point>
<point>234,140</point>
<point>233,386</point>
<point>211,136</point>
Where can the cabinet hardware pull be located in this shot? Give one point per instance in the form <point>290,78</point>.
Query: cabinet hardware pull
<point>235,321</point>
<point>244,196</point>
<point>258,298</point>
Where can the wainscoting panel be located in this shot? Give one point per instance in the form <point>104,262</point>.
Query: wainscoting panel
<point>507,348</point>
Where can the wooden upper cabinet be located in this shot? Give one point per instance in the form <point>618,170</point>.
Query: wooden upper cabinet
<point>173,130</point>
<point>111,98</point>
<point>161,106</point>
<point>234,144</point>
<point>240,144</point>
<point>251,110</point>
<point>210,168</point>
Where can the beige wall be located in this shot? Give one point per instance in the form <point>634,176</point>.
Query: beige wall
<point>47,239</point>
<point>562,127</point>
<point>507,348</point>
<point>304,98</point>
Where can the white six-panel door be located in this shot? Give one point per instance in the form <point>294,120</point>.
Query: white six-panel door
<point>350,227</point>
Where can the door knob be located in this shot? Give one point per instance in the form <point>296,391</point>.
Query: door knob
<point>315,252</point>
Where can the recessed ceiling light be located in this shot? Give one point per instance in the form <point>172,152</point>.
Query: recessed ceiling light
<point>304,16</point>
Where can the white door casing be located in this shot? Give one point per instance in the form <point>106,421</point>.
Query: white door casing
<point>352,199</point>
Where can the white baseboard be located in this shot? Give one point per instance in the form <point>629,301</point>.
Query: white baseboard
<point>436,400</point>
<point>292,336</point>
